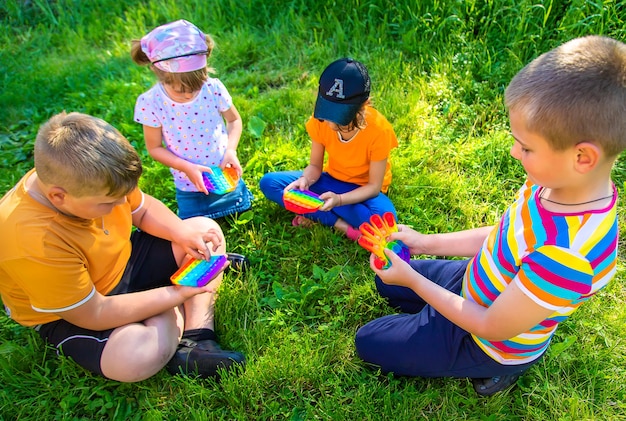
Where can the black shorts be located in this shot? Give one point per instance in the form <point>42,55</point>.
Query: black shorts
<point>150,266</point>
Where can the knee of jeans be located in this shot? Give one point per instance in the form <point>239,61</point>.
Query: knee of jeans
<point>270,188</point>
<point>266,183</point>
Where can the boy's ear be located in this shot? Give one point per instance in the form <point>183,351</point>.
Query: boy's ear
<point>56,195</point>
<point>588,156</point>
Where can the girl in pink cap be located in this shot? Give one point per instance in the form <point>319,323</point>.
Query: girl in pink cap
<point>189,120</point>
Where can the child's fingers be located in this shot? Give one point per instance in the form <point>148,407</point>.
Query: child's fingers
<point>201,187</point>
<point>203,168</point>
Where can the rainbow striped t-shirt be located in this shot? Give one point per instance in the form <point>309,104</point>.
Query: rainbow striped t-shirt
<point>559,260</point>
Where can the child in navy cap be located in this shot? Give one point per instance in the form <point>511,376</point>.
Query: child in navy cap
<point>358,141</point>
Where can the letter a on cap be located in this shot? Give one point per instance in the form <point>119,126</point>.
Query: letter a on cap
<point>337,88</point>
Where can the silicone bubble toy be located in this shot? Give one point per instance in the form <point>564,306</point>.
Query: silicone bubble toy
<point>374,239</point>
<point>302,201</point>
<point>198,273</point>
<point>220,181</point>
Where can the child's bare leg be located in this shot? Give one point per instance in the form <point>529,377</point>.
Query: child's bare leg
<point>350,232</point>
<point>139,350</point>
<point>199,351</point>
<point>301,221</point>
<point>341,225</point>
<point>199,310</point>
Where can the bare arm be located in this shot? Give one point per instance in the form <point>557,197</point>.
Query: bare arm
<point>158,220</point>
<point>361,193</point>
<point>461,243</point>
<point>511,314</point>
<point>108,312</point>
<point>154,145</point>
<point>234,127</point>
<point>313,171</point>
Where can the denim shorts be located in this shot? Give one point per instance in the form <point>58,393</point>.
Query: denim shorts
<point>213,205</point>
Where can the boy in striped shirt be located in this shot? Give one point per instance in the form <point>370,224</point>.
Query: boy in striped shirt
<point>492,316</point>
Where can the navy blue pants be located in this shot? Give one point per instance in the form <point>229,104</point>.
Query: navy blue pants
<point>420,341</point>
<point>273,184</point>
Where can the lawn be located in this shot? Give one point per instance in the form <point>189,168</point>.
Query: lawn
<point>439,70</point>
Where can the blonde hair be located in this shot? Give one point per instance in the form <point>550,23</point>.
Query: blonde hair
<point>575,93</point>
<point>187,81</point>
<point>86,156</point>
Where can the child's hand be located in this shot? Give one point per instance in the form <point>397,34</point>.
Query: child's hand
<point>300,184</point>
<point>194,173</point>
<point>198,244</point>
<point>414,240</point>
<point>331,200</point>
<point>399,273</point>
<point>188,291</point>
<point>231,160</point>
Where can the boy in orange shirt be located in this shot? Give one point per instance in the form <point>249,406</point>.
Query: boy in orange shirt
<point>72,268</point>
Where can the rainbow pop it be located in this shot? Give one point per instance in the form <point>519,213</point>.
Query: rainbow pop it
<point>198,273</point>
<point>220,181</point>
<point>302,201</point>
<point>374,239</point>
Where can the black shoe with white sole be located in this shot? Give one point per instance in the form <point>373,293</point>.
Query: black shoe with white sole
<point>203,358</point>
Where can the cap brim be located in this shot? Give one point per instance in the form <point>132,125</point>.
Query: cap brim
<point>183,64</point>
<point>341,114</point>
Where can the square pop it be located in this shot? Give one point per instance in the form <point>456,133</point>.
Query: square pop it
<point>302,201</point>
<point>198,273</point>
<point>220,181</point>
<point>374,239</point>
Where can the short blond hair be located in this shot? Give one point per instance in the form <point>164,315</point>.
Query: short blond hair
<point>575,93</point>
<point>85,156</point>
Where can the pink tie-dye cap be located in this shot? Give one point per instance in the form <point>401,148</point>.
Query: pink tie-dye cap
<point>176,47</point>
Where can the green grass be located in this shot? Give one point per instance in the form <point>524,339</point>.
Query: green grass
<point>439,69</point>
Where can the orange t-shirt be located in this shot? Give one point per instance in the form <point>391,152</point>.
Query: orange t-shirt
<point>50,262</point>
<point>350,161</point>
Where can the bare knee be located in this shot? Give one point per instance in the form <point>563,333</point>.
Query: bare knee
<point>203,223</point>
<point>134,358</point>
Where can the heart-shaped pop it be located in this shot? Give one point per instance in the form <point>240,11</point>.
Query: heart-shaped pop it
<point>198,273</point>
<point>302,201</point>
<point>220,181</point>
<point>374,239</point>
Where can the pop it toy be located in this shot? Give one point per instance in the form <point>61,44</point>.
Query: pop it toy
<point>302,201</point>
<point>198,273</point>
<point>220,181</point>
<point>374,239</point>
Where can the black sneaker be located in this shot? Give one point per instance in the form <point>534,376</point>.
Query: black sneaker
<point>238,262</point>
<point>203,358</point>
<point>492,385</point>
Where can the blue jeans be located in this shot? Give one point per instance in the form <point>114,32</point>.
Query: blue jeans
<point>273,184</point>
<point>420,341</point>
<point>213,205</point>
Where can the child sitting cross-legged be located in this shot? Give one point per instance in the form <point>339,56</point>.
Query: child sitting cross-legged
<point>73,269</point>
<point>492,316</point>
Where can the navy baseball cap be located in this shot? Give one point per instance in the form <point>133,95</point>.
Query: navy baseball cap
<point>344,87</point>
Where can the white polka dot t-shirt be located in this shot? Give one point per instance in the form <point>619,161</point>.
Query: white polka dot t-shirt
<point>194,130</point>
